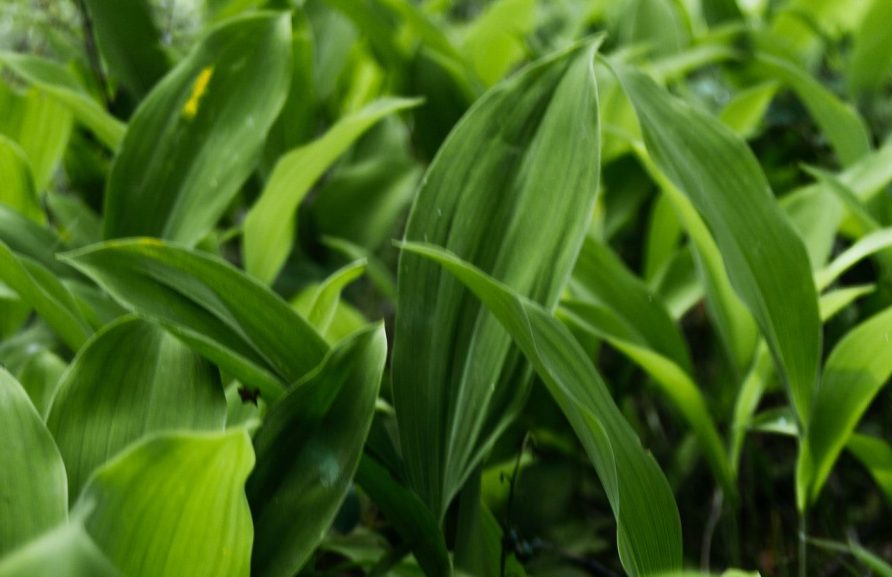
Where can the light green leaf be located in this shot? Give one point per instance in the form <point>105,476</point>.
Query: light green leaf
<point>494,41</point>
<point>319,304</point>
<point>27,238</point>
<point>18,191</point>
<point>834,301</point>
<point>216,309</point>
<point>854,373</point>
<point>270,227</point>
<point>110,397</point>
<point>40,375</point>
<point>186,492</point>
<point>130,42</point>
<point>40,126</point>
<point>512,191</point>
<point>40,288</point>
<point>744,113</point>
<point>765,260</point>
<point>648,525</point>
<point>871,56</point>
<point>865,247</point>
<point>33,491</point>
<point>308,450</point>
<point>66,551</point>
<point>59,83</point>
<point>197,136</point>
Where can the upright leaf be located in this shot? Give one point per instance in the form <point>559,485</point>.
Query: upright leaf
<point>111,397</point>
<point>33,491</point>
<point>270,226</point>
<point>648,525</point>
<point>219,311</point>
<point>66,551</point>
<point>173,505</point>
<point>308,450</point>
<point>197,136</point>
<point>18,192</point>
<point>765,259</point>
<point>511,190</point>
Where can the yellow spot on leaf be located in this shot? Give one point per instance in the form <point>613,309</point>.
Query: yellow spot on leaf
<point>190,109</point>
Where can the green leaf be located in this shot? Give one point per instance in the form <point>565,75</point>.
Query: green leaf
<point>197,136</point>
<point>840,122</point>
<point>130,42</point>
<point>40,288</point>
<point>216,309</point>
<point>27,238</point>
<point>319,304</point>
<point>40,375</point>
<point>876,455</point>
<point>602,278</point>
<point>110,397</point>
<point>673,380</point>
<point>270,226</point>
<point>308,450</point>
<point>765,260</point>
<point>186,492</point>
<point>743,114</point>
<point>40,126</point>
<point>408,514</point>
<point>494,41</point>
<point>66,551</point>
<point>57,82</point>
<point>856,370</point>
<point>865,247</point>
<point>511,190</point>
<point>18,192</point>
<point>648,525</point>
<point>33,491</point>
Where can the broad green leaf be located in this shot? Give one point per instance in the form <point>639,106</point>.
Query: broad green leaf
<point>765,260</point>
<point>40,288</point>
<point>512,191</point>
<point>18,191</point>
<point>408,514</point>
<point>270,226</point>
<point>57,82</point>
<point>40,126</point>
<point>871,57</point>
<point>197,136</point>
<point>130,41</point>
<point>308,450</point>
<point>673,380</point>
<point>319,304</point>
<point>216,309</point>
<point>110,397</point>
<point>648,525</point>
<point>33,491</point>
<point>856,370</point>
<point>601,277</point>
<point>76,222</point>
<point>840,123</point>
<point>876,455</point>
<point>664,231</point>
<point>65,551</point>
<point>172,505</point>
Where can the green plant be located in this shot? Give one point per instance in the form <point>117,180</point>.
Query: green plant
<point>395,288</point>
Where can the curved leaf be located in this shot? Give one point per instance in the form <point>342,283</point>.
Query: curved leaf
<point>174,505</point>
<point>765,259</point>
<point>33,490</point>
<point>218,310</point>
<point>18,191</point>
<point>110,397</point>
<point>648,525</point>
<point>270,226</point>
<point>511,190</point>
<point>196,138</point>
<point>308,450</point>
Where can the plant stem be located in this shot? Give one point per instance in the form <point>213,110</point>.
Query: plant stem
<point>803,543</point>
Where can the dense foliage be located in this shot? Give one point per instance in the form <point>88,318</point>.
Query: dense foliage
<point>398,288</point>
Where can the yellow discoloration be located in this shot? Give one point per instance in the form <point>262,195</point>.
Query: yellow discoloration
<point>190,109</point>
